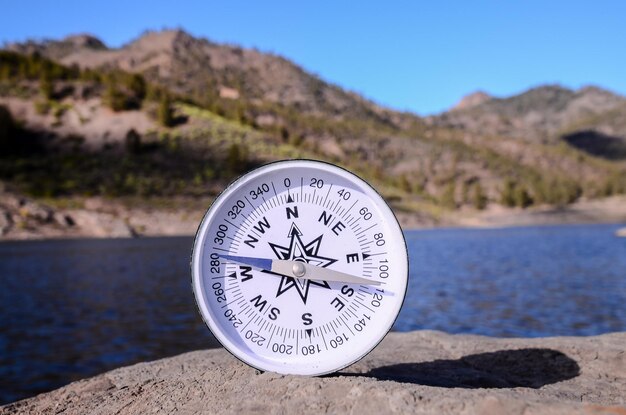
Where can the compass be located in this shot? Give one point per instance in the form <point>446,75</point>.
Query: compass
<point>299,267</point>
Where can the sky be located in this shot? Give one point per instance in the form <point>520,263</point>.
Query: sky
<point>408,55</point>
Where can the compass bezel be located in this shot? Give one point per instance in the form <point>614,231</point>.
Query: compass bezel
<point>245,354</point>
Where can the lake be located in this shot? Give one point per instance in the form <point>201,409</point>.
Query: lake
<point>70,309</point>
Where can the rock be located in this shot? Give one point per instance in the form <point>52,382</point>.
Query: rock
<point>5,221</point>
<point>11,201</point>
<point>419,372</point>
<point>36,211</point>
<point>101,224</point>
<point>63,220</point>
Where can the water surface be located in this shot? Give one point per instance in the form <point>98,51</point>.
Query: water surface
<point>74,308</point>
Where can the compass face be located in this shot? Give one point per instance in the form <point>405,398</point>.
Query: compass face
<point>299,267</point>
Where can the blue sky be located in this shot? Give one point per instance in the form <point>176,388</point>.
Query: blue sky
<point>416,56</point>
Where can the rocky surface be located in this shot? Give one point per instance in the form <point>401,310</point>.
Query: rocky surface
<point>417,372</point>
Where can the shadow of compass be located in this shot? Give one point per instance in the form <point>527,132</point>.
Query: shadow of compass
<point>529,368</point>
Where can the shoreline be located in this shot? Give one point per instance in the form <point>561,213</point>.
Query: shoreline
<point>420,371</point>
<point>25,219</point>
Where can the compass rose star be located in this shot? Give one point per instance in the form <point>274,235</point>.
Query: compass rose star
<point>298,251</point>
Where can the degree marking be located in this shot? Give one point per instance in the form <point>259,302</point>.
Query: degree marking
<point>270,340</point>
<point>324,339</point>
<point>297,345</point>
<point>232,301</point>
<point>244,224</point>
<point>345,324</point>
<point>350,208</point>
<point>326,198</point>
<point>355,220</point>
<point>254,212</point>
<point>244,327</point>
<point>274,189</point>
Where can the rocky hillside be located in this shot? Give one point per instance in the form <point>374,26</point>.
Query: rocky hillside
<point>543,114</point>
<point>169,116</point>
<point>202,69</point>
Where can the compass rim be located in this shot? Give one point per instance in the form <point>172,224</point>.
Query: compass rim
<point>200,293</point>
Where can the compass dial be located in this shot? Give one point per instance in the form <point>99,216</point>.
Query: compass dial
<point>299,267</point>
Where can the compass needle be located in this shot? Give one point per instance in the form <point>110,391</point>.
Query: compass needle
<point>338,262</point>
<point>298,269</point>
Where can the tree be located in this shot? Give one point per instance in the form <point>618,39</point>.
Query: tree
<point>507,195</point>
<point>522,198</point>
<point>479,200</point>
<point>448,197</point>
<point>233,159</point>
<point>114,98</point>
<point>133,142</point>
<point>165,113</point>
<point>7,129</point>
<point>46,86</point>
<point>137,85</point>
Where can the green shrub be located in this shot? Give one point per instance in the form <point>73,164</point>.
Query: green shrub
<point>479,200</point>
<point>507,195</point>
<point>137,85</point>
<point>132,142</point>
<point>115,99</point>
<point>522,198</point>
<point>448,196</point>
<point>46,86</point>
<point>42,107</point>
<point>165,114</point>
<point>7,129</point>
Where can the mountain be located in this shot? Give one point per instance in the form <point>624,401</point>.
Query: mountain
<point>229,108</point>
<point>541,114</point>
<point>472,100</point>
<point>201,69</point>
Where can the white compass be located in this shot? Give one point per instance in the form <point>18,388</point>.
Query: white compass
<point>299,267</point>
